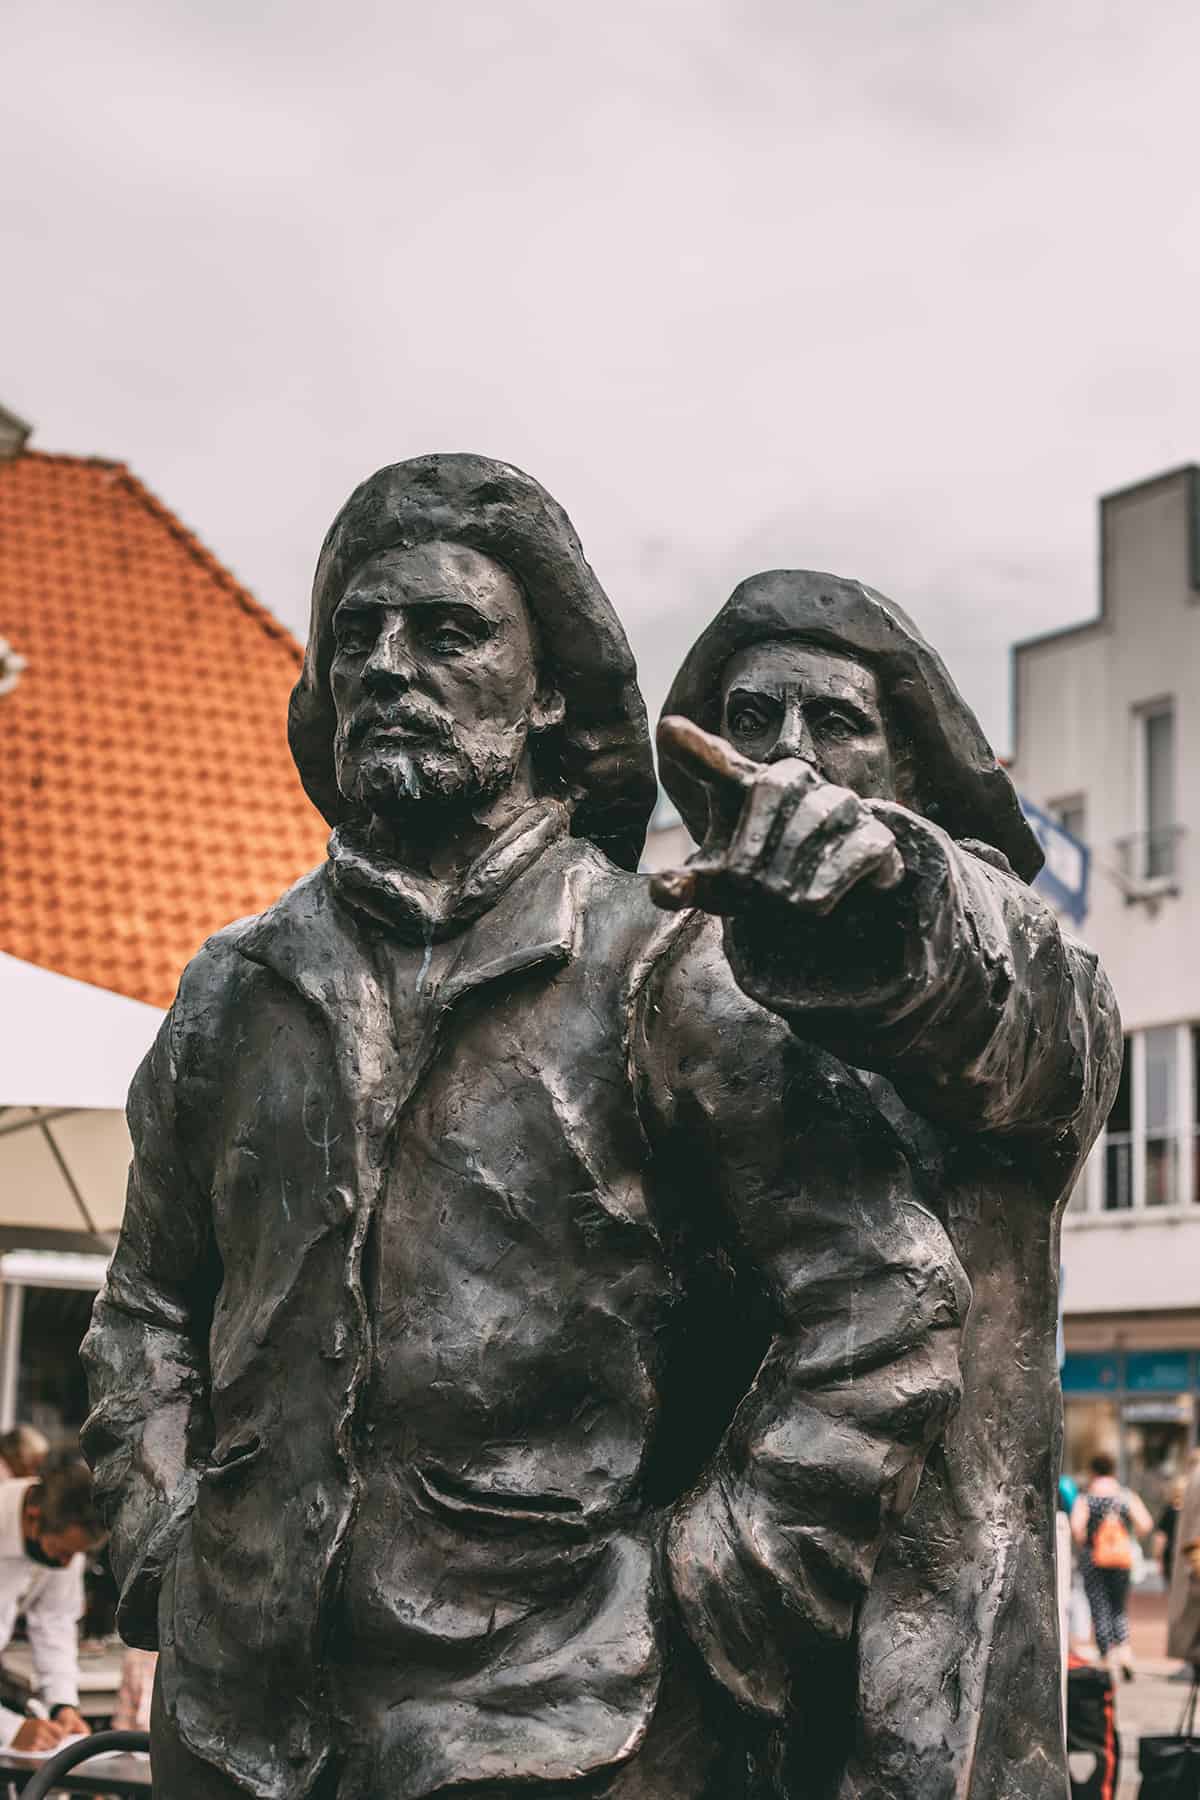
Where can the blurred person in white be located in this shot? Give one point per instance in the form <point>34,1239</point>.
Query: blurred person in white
<point>23,1452</point>
<point>48,1527</point>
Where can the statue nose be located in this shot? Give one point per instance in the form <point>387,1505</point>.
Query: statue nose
<point>795,739</point>
<point>389,664</point>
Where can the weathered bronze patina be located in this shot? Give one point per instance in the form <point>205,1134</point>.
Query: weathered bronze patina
<point>532,1361</point>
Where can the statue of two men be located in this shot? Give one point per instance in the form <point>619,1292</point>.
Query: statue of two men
<point>540,1356</point>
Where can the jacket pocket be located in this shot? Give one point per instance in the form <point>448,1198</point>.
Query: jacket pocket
<point>232,1457</point>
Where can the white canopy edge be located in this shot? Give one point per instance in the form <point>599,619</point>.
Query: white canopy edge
<point>66,1043</point>
<point>52,1268</point>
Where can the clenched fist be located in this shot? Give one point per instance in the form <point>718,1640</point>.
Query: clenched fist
<point>781,832</point>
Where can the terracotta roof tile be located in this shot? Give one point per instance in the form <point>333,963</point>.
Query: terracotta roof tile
<point>147,795</point>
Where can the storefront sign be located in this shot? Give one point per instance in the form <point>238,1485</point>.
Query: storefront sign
<point>1156,1412</point>
<point>1091,1373</point>
<point>1158,1371</point>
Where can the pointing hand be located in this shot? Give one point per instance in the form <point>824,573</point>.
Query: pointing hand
<point>783,833</point>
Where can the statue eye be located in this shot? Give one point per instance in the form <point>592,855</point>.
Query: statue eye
<point>448,640</point>
<point>353,634</point>
<point>447,631</point>
<point>836,724</point>
<point>745,721</point>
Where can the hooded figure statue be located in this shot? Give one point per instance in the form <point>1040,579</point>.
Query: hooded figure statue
<point>957,1662</point>
<point>525,1338</point>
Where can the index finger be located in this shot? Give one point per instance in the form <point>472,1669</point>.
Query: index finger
<point>706,758</point>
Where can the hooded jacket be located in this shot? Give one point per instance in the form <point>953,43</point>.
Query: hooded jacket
<point>957,1665</point>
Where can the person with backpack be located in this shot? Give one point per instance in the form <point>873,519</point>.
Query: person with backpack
<point>1104,1523</point>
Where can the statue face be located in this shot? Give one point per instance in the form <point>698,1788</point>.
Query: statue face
<point>787,698</point>
<point>434,681</point>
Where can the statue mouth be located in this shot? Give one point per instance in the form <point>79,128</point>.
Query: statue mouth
<point>400,734</point>
<point>390,730</point>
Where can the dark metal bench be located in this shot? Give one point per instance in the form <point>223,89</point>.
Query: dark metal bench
<point>103,1743</point>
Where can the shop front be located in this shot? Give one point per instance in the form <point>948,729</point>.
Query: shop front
<point>1139,1406</point>
<point>46,1301</point>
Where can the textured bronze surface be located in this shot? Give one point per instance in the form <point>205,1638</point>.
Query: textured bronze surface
<point>540,1357</point>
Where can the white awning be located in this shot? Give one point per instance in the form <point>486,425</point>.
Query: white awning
<point>62,1170</point>
<point>64,1043</point>
<point>52,1268</point>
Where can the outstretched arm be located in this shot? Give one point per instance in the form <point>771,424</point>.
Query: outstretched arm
<point>52,1622</point>
<point>1079,1519</point>
<point>1143,1524</point>
<point>145,1353</point>
<point>872,932</point>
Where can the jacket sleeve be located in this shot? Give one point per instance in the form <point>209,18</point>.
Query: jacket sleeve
<point>772,1549</point>
<point>959,986</point>
<point>145,1353</point>
<point>52,1621</point>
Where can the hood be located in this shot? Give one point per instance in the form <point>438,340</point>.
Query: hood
<point>962,786</point>
<point>604,767</point>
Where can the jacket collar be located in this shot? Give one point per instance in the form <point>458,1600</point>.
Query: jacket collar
<point>311,939</point>
<point>423,909</point>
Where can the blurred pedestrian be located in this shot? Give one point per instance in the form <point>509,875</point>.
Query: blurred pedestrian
<point>23,1451</point>
<point>1183,1607</point>
<point>132,1711</point>
<point>1064,1562</point>
<point>1165,1531</point>
<point>47,1528</point>
<point>1104,1523</point>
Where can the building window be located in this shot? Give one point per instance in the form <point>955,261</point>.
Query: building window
<point>1147,1156</point>
<point>1160,1055</point>
<point>1118,1142</point>
<point>1158,823</point>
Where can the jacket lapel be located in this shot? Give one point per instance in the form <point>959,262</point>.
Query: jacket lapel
<point>320,947</point>
<point>535,921</point>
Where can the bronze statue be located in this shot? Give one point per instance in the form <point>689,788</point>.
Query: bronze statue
<point>531,1358</point>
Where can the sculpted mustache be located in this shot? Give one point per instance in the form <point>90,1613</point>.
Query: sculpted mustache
<point>432,724</point>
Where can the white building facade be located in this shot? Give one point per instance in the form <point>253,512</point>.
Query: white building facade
<point>1107,741</point>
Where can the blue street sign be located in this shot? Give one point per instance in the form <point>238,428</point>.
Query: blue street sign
<point>1064,880</point>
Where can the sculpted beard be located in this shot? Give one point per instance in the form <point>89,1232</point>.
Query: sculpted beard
<point>431,757</point>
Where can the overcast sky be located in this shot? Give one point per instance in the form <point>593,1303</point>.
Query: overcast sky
<point>877,286</point>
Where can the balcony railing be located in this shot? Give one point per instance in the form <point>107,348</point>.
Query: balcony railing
<point>1150,858</point>
<point>1169,1173</point>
